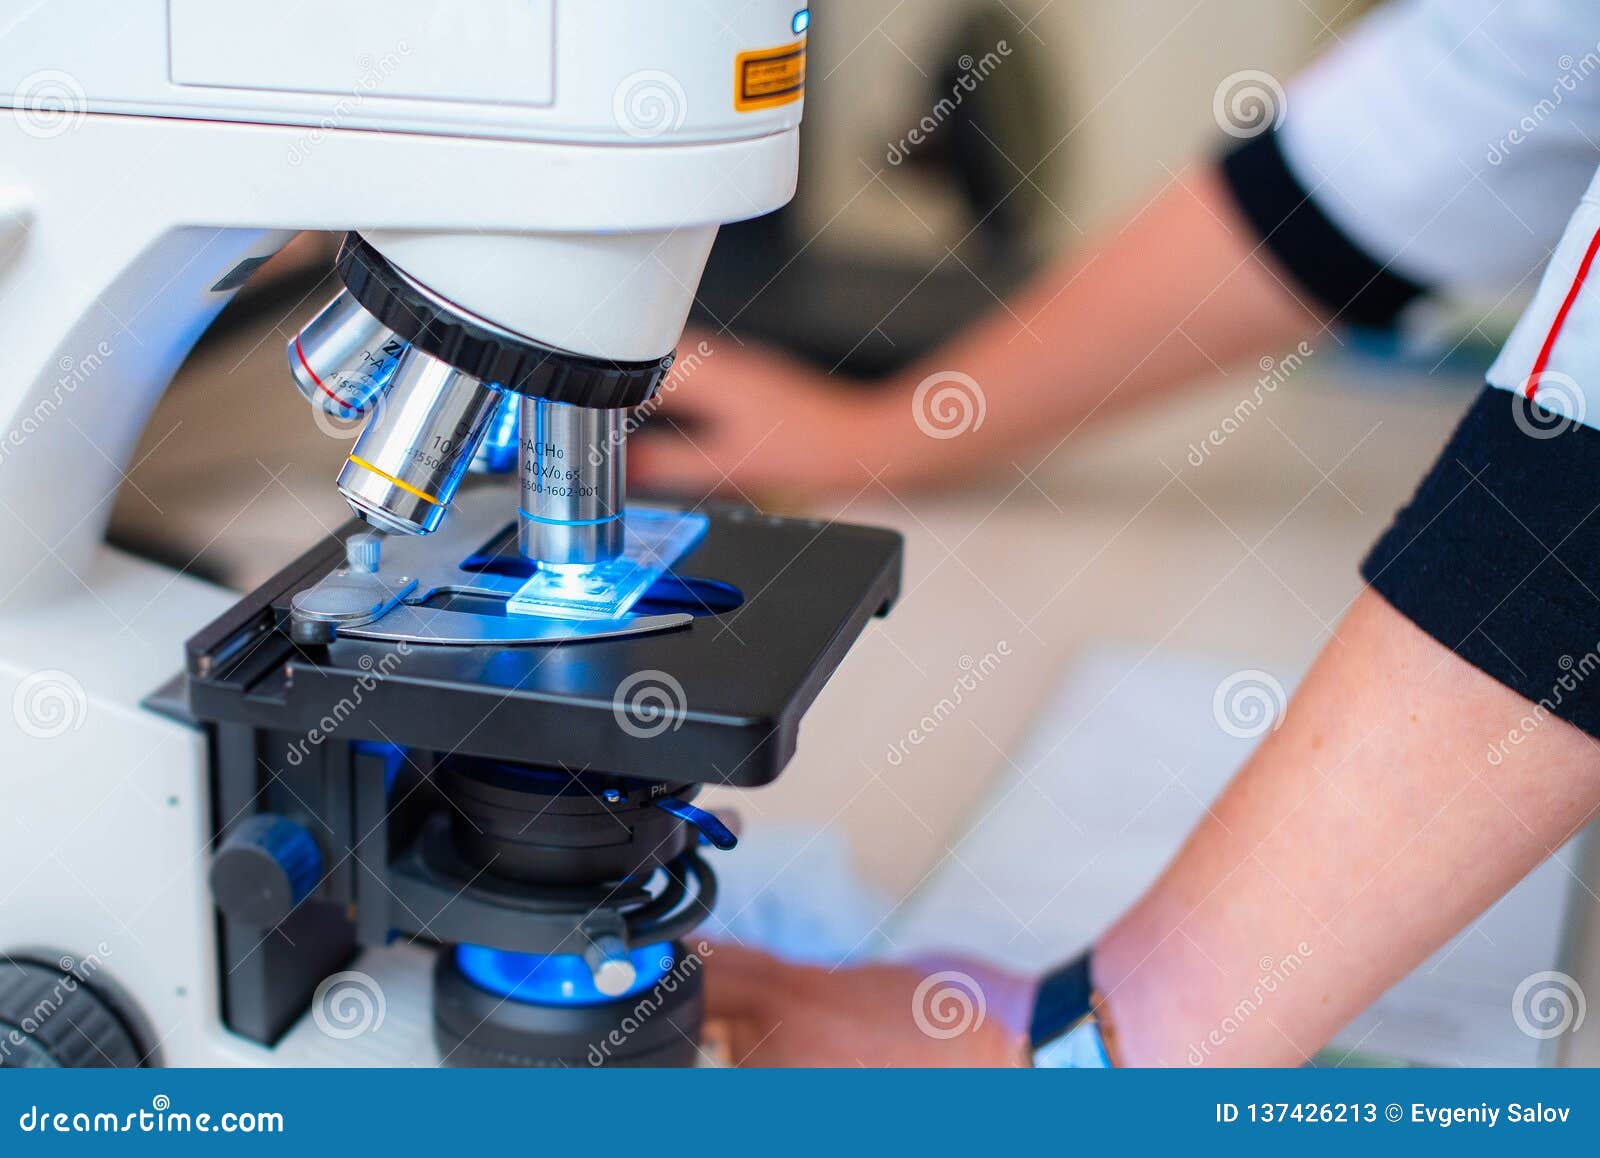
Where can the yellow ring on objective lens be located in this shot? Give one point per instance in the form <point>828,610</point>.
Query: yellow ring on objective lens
<point>399,482</point>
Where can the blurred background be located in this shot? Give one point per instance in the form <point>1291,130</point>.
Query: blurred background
<point>1104,587</point>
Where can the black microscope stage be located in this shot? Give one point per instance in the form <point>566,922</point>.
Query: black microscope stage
<point>734,684</point>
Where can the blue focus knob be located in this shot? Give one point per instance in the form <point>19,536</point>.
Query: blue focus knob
<point>266,866</point>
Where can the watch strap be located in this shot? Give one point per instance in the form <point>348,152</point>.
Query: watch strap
<point>1065,997</point>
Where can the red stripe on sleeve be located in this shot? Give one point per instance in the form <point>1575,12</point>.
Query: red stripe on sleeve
<point>1543,360</point>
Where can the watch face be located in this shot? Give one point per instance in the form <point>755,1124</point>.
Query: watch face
<point>1080,1048</point>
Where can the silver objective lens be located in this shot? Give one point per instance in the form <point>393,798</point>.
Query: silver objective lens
<point>497,453</point>
<point>344,357</point>
<point>571,472</point>
<point>408,462</point>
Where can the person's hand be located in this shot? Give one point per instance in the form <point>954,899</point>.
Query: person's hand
<point>750,421</point>
<point>941,1012</point>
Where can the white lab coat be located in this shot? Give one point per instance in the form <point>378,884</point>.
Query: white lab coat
<point>1450,140</point>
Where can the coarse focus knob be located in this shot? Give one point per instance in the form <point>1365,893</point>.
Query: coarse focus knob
<point>608,960</point>
<point>49,1019</point>
<point>363,552</point>
<point>266,866</point>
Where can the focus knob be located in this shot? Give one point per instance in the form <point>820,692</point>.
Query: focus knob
<point>266,866</point>
<point>50,1018</point>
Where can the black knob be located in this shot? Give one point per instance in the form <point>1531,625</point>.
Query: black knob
<point>266,866</point>
<point>50,1018</point>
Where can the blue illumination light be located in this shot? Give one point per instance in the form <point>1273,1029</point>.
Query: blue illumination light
<point>555,979</point>
<point>801,21</point>
<point>653,540</point>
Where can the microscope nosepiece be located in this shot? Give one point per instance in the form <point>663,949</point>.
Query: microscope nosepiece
<point>344,357</point>
<point>408,462</point>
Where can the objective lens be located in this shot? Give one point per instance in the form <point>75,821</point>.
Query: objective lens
<point>497,453</point>
<point>408,462</point>
<point>344,357</point>
<point>571,472</point>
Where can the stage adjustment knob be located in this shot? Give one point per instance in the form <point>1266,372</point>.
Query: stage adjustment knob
<point>51,1019</point>
<point>363,553</point>
<point>266,866</point>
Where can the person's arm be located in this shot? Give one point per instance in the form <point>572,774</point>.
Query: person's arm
<point>1441,747</point>
<point>1359,837</point>
<point>1444,743</point>
<point>1438,147</point>
<point>1177,292</point>
<point>1365,831</point>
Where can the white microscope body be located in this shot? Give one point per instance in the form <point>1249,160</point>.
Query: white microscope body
<point>557,168</point>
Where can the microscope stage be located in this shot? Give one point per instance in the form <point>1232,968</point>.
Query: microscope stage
<point>705,695</point>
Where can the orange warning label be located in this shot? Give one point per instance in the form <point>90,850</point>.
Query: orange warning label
<point>769,77</point>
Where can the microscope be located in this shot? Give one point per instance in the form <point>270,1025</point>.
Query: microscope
<point>427,795</point>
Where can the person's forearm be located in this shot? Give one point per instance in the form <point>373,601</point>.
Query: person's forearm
<point>1362,834</point>
<point>1180,290</point>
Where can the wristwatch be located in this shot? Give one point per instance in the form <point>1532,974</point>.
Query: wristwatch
<point>1068,1031</point>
